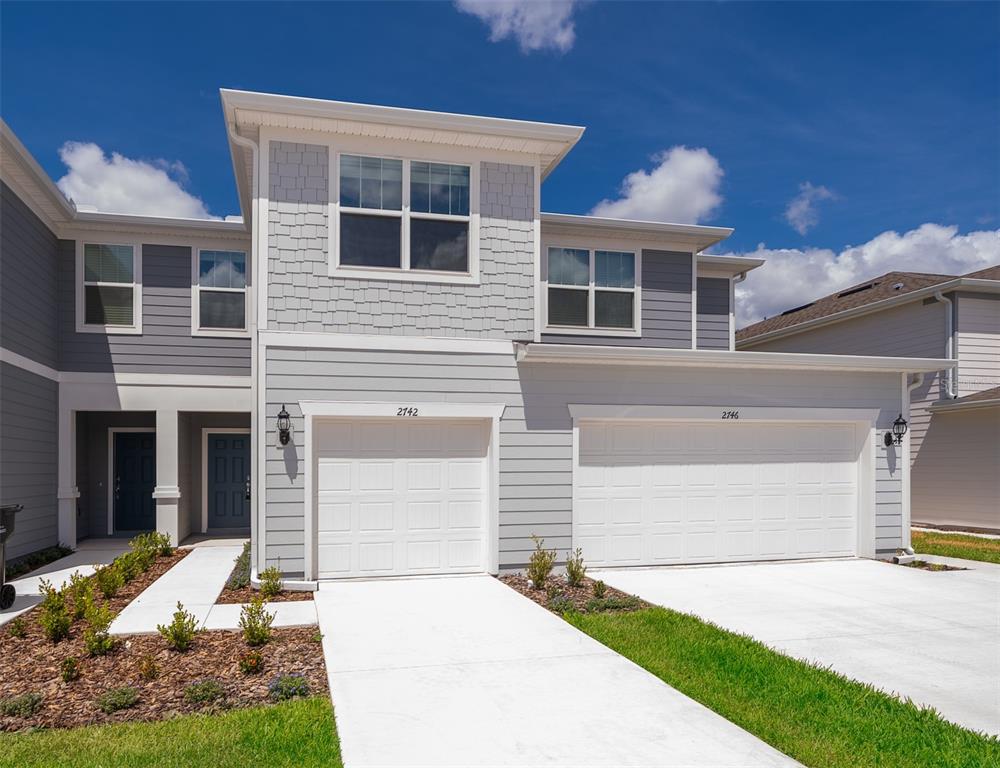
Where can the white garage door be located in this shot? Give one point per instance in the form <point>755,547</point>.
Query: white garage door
<point>648,493</point>
<point>400,497</point>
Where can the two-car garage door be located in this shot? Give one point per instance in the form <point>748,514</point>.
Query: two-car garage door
<point>648,493</point>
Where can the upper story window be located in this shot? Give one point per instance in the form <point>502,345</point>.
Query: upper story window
<point>414,219</point>
<point>220,293</point>
<point>592,290</point>
<point>109,291</point>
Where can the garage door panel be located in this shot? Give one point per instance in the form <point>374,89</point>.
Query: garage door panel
<point>734,492</point>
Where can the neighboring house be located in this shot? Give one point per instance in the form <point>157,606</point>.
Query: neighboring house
<point>955,414</point>
<point>460,371</point>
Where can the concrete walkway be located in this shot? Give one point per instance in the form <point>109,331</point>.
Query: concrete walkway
<point>933,637</point>
<point>463,671</point>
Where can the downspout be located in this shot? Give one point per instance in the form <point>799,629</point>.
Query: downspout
<point>917,381</point>
<point>949,349</point>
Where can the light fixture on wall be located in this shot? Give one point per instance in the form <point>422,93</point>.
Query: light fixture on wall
<point>899,428</point>
<point>284,426</point>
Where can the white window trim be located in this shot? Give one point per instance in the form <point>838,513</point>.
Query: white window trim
<point>196,329</point>
<point>81,325</point>
<point>403,273</point>
<point>205,432</point>
<point>591,330</point>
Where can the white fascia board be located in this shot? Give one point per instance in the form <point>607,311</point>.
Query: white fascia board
<point>733,265</point>
<point>410,411</point>
<point>977,285</point>
<point>216,227</point>
<point>294,339</point>
<point>697,236</point>
<point>711,358</point>
<point>12,144</point>
<point>952,405</point>
<point>589,412</point>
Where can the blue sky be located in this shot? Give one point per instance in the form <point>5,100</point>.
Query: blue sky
<point>864,118</point>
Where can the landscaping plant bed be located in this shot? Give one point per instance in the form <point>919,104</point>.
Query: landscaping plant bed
<point>580,598</point>
<point>248,594</point>
<point>923,565</point>
<point>239,591</point>
<point>32,665</point>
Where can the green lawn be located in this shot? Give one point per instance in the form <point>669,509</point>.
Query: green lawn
<point>296,733</point>
<point>816,716</point>
<point>956,545</point>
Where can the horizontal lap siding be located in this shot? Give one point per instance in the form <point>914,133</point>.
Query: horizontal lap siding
<point>166,344</point>
<point>713,313</point>
<point>978,343</point>
<point>28,457</point>
<point>536,484</point>
<point>665,306</point>
<point>28,292</point>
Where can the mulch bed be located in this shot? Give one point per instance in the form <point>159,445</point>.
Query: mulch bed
<point>213,655</point>
<point>925,566</point>
<point>580,597</point>
<point>248,594</point>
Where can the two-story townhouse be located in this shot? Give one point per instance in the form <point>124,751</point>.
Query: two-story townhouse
<point>439,371</point>
<point>125,388</point>
<point>955,413</point>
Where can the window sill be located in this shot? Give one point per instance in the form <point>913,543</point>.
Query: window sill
<point>405,275</point>
<point>110,330</point>
<point>575,330</point>
<point>220,333</point>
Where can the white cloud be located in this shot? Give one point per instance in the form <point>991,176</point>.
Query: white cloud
<point>794,276</point>
<point>683,188</point>
<point>801,212</point>
<point>535,24</point>
<point>118,184</point>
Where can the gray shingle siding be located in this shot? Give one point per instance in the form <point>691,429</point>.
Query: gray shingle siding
<point>29,407</point>
<point>665,307</point>
<point>166,344</point>
<point>27,282</point>
<point>713,313</point>
<point>303,297</point>
<point>536,429</point>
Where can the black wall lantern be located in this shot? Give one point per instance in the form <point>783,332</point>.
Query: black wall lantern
<point>284,426</point>
<point>898,430</point>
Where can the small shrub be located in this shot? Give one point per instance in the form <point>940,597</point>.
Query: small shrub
<point>17,627</point>
<point>560,604</point>
<point>317,637</point>
<point>256,622</point>
<point>204,692</point>
<point>162,544</point>
<point>600,588</point>
<point>148,668</point>
<point>252,663</point>
<point>109,580</point>
<point>155,543</point>
<point>52,614</point>
<point>96,638</point>
<point>286,687</point>
<point>80,591</point>
<point>575,569</point>
<point>132,564</point>
<point>240,577</point>
<point>117,699</point>
<point>24,705</point>
<point>600,605</point>
<point>69,669</point>
<point>552,590</point>
<point>180,632</point>
<point>540,563</point>
<point>270,582</point>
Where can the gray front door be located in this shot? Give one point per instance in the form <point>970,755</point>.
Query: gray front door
<point>228,480</point>
<point>134,481</point>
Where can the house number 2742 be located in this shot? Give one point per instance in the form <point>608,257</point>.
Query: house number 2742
<point>730,414</point>
<point>407,412</point>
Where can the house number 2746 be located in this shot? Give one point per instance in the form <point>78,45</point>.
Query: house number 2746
<point>730,414</point>
<point>407,412</point>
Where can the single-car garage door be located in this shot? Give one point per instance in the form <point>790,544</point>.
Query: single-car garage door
<point>648,493</point>
<point>400,497</point>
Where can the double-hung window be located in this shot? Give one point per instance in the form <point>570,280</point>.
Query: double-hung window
<point>109,292</point>
<point>220,292</point>
<point>410,217</point>
<point>592,289</point>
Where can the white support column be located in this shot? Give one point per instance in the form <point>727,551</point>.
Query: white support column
<point>167,493</point>
<point>68,492</point>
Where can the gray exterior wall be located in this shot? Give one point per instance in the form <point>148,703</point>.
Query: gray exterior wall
<point>166,344</point>
<point>303,297</point>
<point>713,313</point>
<point>27,282</point>
<point>29,429</point>
<point>977,339</point>
<point>665,307</point>
<point>536,429</point>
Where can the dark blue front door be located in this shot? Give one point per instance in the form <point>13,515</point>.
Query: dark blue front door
<point>228,480</point>
<point>134,479</point>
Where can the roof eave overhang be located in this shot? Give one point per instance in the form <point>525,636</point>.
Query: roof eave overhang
<point>960,283</point>
<point>88,220</point>
<point>949,406</point>
<point>531,352</point>
<point>692,235</point>
<point>45,195</point>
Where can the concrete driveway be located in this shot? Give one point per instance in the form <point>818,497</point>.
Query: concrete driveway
<point>463,671</point>
<point>934,637</point>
